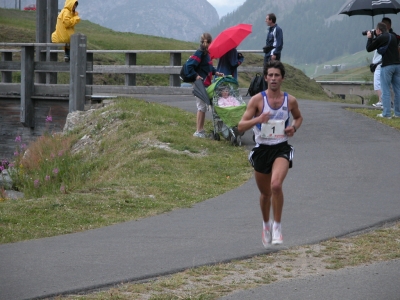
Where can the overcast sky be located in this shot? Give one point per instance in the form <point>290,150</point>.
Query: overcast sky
<point>225,6</point>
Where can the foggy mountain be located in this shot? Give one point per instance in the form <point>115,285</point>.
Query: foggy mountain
<point>176,19</point>
<point>313,30</point>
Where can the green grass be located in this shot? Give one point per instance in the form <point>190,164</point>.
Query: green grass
<point>372,112</point>
<point>139,159</point>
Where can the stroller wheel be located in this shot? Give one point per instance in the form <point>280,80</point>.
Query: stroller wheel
<point>216,137</point>
<point>239,141</point>
<point>233,140</point>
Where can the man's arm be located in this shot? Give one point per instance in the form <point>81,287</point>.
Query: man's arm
<point>279,41</point>
<point>248,119</point>
<point>373,44</point>
<point>296,114</point>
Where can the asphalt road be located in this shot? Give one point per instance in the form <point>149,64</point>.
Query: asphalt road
<point>345,178</point>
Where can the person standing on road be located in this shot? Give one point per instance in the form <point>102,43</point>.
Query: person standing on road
<point>274,42</point>
<point>386,44</point>
<point>229,62</point>
<point>65,27</point>
<point>268,114</point>
<point>200,65</point>
<point>377,78</point>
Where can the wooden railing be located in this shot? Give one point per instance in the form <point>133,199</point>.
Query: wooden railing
<point>39,77</point>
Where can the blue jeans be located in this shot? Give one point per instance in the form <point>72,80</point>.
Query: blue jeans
<point>390,75</point>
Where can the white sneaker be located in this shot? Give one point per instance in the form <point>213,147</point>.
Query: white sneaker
<point>382,116</point>
<point>277,238</point>
<point>266,235</point>
<point>200,134</point>
<point>378,104</point>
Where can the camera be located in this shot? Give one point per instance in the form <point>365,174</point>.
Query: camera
<point>366,31</point>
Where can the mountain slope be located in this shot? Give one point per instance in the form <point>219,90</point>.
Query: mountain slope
<point>177,19</point>
<point>313,30</point>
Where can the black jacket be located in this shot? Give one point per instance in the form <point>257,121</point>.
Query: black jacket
<point>391,56</point>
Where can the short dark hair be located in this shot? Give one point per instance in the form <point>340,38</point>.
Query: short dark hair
<point>382,27</point>
<point>387,20</point>
<point>275,64</point>
<point>272,17</point>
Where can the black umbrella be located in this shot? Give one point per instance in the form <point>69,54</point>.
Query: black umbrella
<point>200,91</point>
<point>371,8</point>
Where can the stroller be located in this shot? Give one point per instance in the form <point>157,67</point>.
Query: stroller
<point>228,108</point>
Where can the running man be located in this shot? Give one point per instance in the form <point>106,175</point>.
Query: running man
<point>268,114</point>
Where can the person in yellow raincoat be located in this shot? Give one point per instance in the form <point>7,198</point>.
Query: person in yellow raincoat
<point>65,27</point>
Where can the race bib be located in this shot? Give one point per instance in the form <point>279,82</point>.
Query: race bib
<point>274,129</point>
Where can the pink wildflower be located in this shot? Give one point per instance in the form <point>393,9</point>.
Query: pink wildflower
<point>55,171</point>
<point>49,119</point>
<point>47,177</point>
<point>16,153</point>
<point>36,183</point>
<point>18,139</point>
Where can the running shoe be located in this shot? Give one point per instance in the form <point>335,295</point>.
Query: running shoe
<point>277,238</point>
<point>266,236</point>
<point>378,104</point>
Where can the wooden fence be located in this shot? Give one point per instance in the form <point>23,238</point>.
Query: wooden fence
<point>24,105</point>
<point>39,78</point>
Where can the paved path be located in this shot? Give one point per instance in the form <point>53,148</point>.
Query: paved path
<point>345,178</point>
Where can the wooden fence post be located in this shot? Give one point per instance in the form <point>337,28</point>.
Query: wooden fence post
<point>89,76</point>
<point>41,36</point>
<point>175,60</point>
<point>6,76</point>
<point>77,85</point>
<point>130,59</point>
<point>52,13</point>
<point>27,116</point>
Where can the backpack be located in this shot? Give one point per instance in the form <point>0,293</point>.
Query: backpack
<point>184,71</point>
<point>257,84</point>
<point>183,74</point>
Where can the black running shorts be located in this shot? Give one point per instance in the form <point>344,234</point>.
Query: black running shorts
<point>262,157</point>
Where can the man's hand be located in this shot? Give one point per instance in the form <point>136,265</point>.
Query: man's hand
<point>264,117</point>
<point>289,131</point>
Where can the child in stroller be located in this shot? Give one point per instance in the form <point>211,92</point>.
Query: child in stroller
<point>227,109</point>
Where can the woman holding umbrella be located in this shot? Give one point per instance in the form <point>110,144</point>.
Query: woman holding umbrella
<point>200,65</point>
<point>229,62</point>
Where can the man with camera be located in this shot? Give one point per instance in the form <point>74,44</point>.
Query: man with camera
<point>386,44</point>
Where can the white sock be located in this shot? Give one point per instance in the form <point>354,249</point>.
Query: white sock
<point>266,225</point>
<point>277,225</point>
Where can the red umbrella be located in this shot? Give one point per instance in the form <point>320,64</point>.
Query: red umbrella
<point>228,39</point>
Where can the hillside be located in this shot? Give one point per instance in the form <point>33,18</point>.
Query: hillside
<point>177,19</point>
<point>19,26</point>
<point>313,31</point>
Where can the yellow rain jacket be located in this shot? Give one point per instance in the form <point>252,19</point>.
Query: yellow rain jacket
<point>66,22</point>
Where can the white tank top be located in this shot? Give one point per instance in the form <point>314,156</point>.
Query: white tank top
<point>273,132</point>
